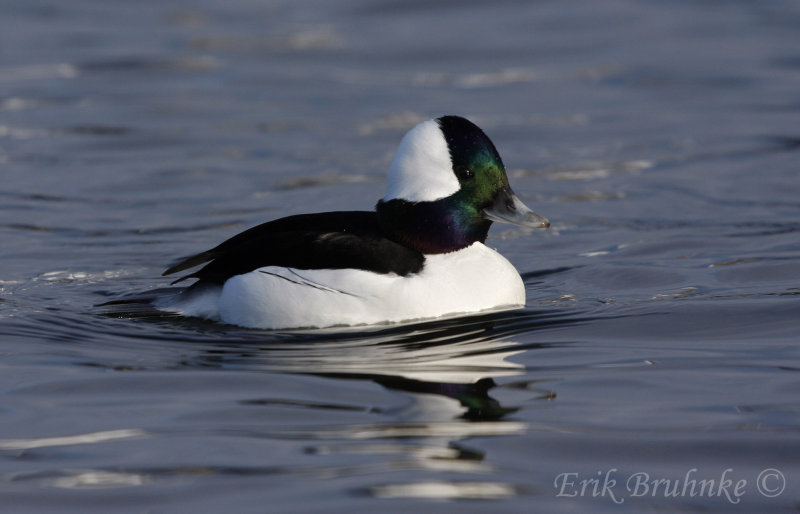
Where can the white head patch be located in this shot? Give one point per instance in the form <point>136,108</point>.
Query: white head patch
<point>422,170</point>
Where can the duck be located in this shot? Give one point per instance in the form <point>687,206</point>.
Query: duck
<point>419,255</point>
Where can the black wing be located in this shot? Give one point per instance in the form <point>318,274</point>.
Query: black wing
<point>328,240</point>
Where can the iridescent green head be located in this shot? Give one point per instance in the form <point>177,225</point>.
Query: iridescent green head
<point>446,185</point>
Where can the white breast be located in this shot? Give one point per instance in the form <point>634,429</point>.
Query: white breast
<point>470,280</point>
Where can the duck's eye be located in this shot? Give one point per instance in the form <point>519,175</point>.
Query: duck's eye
<point>464,173</point>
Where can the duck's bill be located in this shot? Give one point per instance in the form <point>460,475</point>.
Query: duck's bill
<point>508,208</point>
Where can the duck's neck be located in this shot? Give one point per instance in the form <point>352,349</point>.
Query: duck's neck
<point>434,227</point>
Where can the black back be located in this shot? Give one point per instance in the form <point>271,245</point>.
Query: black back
<point>326,240</point>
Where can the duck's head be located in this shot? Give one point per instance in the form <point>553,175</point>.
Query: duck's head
<point>446,186</point>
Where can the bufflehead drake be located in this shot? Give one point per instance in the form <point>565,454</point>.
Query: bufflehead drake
<point>419,255</point>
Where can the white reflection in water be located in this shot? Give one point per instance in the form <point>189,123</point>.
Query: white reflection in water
<point>462,363</point>
<point>445,490</point>
<point>98,479</point>
<point>90,438</point>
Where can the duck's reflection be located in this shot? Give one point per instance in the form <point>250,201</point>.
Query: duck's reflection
<point>458,381</point>
<point>474,399</point>
<point>448,369</point>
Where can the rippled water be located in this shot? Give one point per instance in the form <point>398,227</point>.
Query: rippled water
<point>661,332</point>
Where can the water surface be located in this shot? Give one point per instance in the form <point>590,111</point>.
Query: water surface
<point>661,331</point>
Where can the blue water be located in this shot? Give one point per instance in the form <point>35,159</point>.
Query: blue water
<point>659,343</point>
